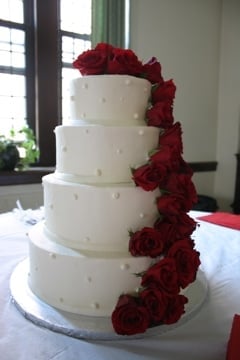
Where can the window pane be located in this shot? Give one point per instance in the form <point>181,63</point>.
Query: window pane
<point>12,47</point>
<point>12,10</point>
<point>12,102</point>
<point>72,47</point>
<point>76,16</point>
<point>12,85</point>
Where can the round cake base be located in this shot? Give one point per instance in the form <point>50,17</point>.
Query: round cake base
<point>88,327</point>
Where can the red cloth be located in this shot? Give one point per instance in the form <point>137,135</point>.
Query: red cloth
<point>233,349</point>
<point>224,219</point>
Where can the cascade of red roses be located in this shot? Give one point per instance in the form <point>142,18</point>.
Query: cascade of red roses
<point>168,242</point>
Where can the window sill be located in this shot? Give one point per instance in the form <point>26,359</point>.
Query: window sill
<point>31,176</point>
<point>34,175</point>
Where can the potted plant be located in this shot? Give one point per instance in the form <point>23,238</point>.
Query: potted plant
<point>18,150</point>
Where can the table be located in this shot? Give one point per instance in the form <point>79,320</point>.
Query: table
<point>203,337</point>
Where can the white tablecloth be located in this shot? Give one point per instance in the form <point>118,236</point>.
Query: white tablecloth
<point>203,337</point>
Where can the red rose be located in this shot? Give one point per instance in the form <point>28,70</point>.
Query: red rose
<point>187,261</point>
<point>172,137</point>
<point>167,157</point>
<point>167,230</point>
<point>156,303</point>
<point>124,62</point>
<point>146,242</point>
<point>129,317</point>
<point>185,225</point>
<point>175,309</point>
<point>165,91</point>
<point>105,48</point>
<point>152,71</point>
<point>162,275</point>
<point>175,227</point>
<point>160,115</point>
<point>149,176</point>
<point>171,204</point>
<point>184,168</point>
<point>182,184</point>
<point>94,62</point>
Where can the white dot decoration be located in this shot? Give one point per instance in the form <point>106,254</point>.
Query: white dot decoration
<point>88,279</point>
<point>124,266</point>
<point>52,255</point>
<point>136,116</point>
<point>141,132</point>
<point>103,100</point>
<point>85,86</point>
<point>116,195</point>
<point>142,215</point>
<point>75,196</point>
<point>95,305</point>
<point>145,89</point>
<point>83,115</point>
<point>121,99</point>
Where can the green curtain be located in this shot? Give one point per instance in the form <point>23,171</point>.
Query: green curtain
<point>108,22</point>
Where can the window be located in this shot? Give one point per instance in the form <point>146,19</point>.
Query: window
<point>39,39</point>
<point>12,66</point>
<point>36,66</point>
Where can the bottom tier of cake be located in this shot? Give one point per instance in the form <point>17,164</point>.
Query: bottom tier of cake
<point>80,282</point>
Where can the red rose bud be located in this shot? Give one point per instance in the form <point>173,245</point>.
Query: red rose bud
<point>146,242</point>
<point>129,317</point>
<point>149,176</point>
<point>172,204</point>
<point>91,62</point>
<point>152,71</point>
<point>124,62</point>
<point>156,303</point>
<point>175,309</point>
<point>177,226</point>
<point>168,232</point>
<point>168,157</point>
<point>164,92</point>
<point>183,185</point>
<point>160,115</point>
<point>172,137</point>
<point>187,261</point>
<point>163,276</point>
<point>104,48</point>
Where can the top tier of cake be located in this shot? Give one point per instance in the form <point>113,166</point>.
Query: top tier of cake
<point>106,135</point>
<point>111,100</point>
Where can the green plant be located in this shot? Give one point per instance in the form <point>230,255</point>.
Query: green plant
<point>18,150</point>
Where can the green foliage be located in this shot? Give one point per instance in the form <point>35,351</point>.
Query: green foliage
<point>15,153</point>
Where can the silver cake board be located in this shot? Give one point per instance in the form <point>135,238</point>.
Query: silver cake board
<point>89,327</point>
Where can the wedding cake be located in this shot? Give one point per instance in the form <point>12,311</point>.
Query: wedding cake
<point>116,239</point>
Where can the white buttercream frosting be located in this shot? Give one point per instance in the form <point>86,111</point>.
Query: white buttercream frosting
<point>79,258</point>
